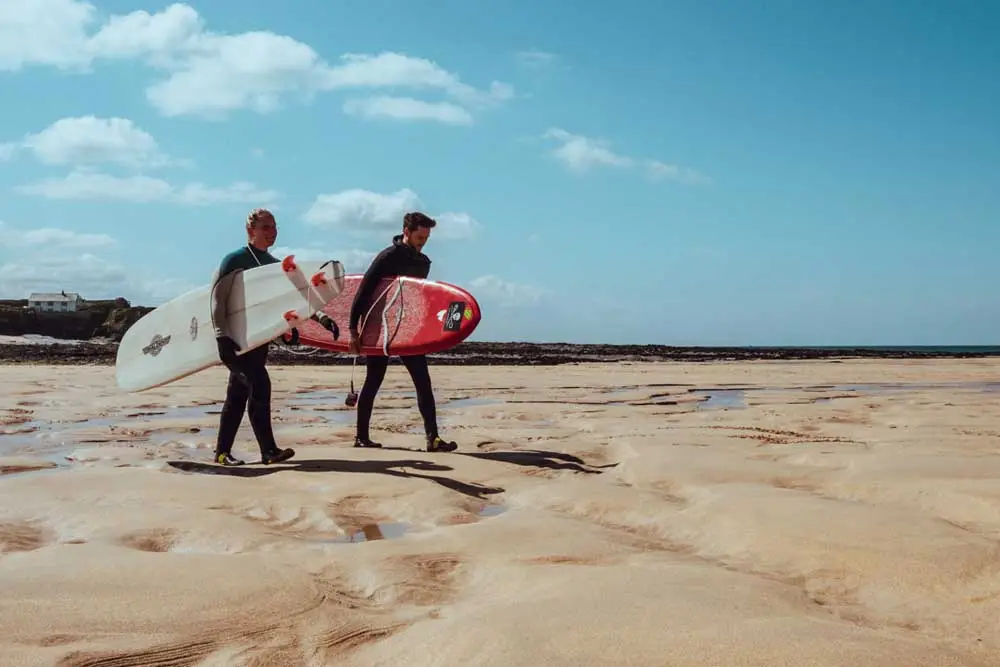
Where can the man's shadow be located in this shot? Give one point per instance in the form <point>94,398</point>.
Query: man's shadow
<point>539,458</point>
<point>536,458</point>
<point>390,468</point>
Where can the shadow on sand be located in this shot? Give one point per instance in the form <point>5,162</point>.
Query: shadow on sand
<point>536,458</point>
<point>542,459</point>
<point>391,468</point>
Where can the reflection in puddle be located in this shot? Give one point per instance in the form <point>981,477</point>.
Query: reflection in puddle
<point>189,438</point>
<point>35,465</point>
<point>897,388</point>
<point>492,510</point>
<point>317,396</point>
<point>392,530</point>
<point>324,402</point>
<point>371,532</point>
<point>623,391</point>
<point>162,426</point>
<point>892,387</point>
<point>724,399</point>
<point>329,415</point>
<point>736,398</point>
<point>379,531</point>
<point>472,401</point>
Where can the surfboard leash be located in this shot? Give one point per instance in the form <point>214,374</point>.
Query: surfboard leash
<point>352,395</point>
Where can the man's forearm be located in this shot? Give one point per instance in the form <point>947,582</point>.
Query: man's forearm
<point>220,301</point>
<point>364,294</point>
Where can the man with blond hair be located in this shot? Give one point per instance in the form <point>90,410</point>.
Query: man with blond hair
<point>249,388</point>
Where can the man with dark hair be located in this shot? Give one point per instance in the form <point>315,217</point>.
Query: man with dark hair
<point>402,258</point>
<point>249,382</point>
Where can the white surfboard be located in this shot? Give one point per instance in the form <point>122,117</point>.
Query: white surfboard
<point>177,339</point>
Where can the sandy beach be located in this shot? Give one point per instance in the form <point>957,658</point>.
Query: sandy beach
<point>786,513</point>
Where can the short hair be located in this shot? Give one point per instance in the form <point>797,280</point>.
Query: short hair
<point>257,215</point>
<point>416,219</point>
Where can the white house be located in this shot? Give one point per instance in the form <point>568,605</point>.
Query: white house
<point>60,302</point>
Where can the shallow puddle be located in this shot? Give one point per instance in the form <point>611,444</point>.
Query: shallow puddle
<point>723,399</point>
<point>893,387</point>
<point>624,391</point>
<point>371,532</point>
<point>166,426</point>
<point>491,510</point>
<point>890,388</point>
<point>735,398</point>
<point>380,531</point>
<point>472,401</point>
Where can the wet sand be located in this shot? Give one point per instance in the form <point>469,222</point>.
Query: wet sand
<point>785,513</point>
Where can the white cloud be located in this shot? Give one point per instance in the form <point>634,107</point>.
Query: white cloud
<point>535,58</point>
<point>44,32</point>
<point>207,73</point>
<point>91,276</point>
<point>658,170</point>
<point>90,140</point>
<point>50,237</point>
<point>506,293</point>
<point>52,259</point>
<point>455,226</point>
<point>407,108</point>
<point>89,185</point>
<point>199,194</point>
<point>83,185</point>
<point>222,73</point>
<point>581,154</point>
<point>86,274</point>
<point>396,70</point>
<point>159,36</point>
<point>364,212</point>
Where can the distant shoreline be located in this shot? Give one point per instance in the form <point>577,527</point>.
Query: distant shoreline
<point>101,352</point>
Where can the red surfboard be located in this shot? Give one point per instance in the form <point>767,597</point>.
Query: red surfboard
<point>406,316</point>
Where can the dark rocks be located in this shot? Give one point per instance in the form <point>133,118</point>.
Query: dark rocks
<point>100,324</point>
<point>97,351</point>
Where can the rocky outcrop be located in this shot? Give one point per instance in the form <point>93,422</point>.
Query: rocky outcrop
<point>103,319</point>
<point>504,354</point>
<point>118,322</point>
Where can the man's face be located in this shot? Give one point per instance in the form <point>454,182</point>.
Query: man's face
<point>264,233</point>
<point>418,237</point>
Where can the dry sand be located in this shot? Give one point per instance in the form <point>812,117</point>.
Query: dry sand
<point>594,515</point>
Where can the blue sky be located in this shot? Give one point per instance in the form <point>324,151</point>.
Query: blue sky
<point>702,173</point>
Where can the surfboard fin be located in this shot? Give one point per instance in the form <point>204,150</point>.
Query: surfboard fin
<point>288,264</point>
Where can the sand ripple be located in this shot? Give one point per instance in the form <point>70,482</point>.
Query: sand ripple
<point>612,515</point>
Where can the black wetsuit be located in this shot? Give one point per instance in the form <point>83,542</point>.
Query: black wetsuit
<point>249,388</point>
<point>399,259</point>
